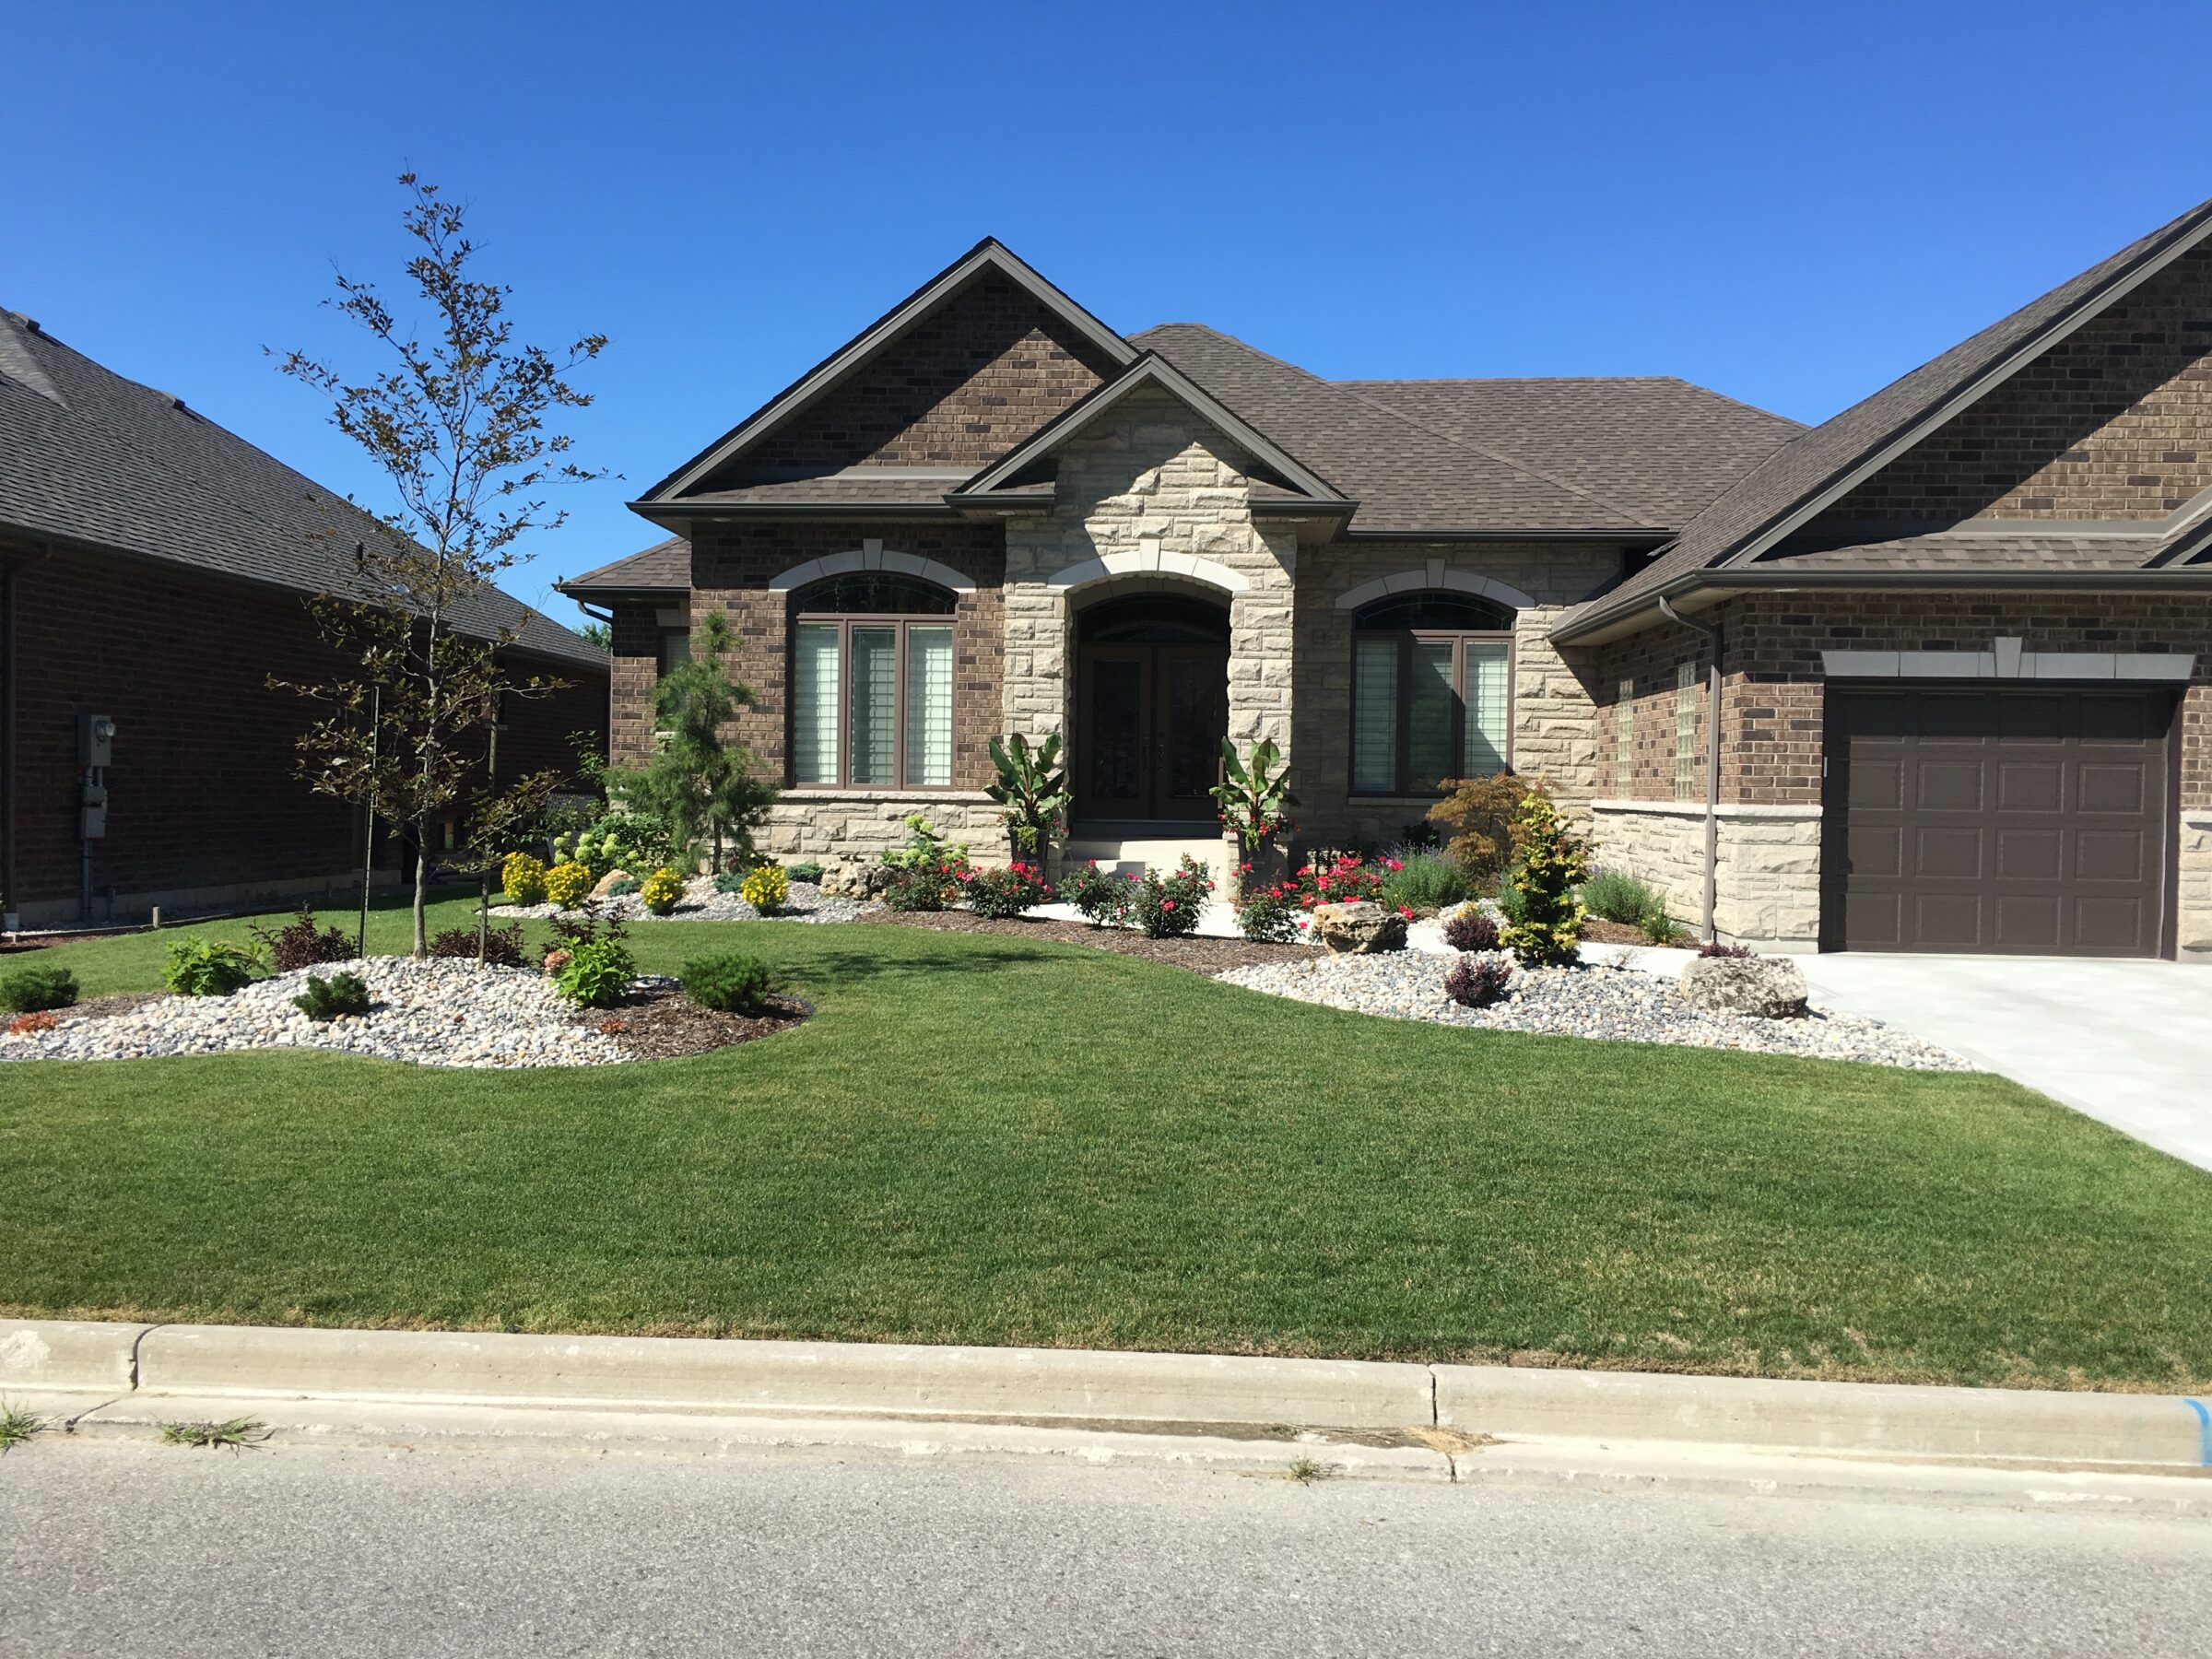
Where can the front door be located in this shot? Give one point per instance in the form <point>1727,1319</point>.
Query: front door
<point>1150,722</point>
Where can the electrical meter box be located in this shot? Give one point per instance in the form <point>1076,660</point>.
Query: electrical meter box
<point>95,739</point>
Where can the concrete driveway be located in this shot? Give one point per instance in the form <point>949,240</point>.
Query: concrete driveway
<point>2127,1042</point>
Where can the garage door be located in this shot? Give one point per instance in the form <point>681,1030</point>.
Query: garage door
<point>2030,821</point>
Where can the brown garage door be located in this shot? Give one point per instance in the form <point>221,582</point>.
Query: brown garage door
<point>2030,821</point>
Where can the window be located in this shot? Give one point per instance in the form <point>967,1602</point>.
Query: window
<point>675,647</point>
<point>1685,731</point>
<point>1431,692</point>
<point>871,683</point>
<point>1624,737</point>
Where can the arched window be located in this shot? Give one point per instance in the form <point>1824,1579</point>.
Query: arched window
<point>871,682</point>
<point>1431,692</point>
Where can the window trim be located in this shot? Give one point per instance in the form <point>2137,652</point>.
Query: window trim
<point>1402,787</point>
<point>845,621</point>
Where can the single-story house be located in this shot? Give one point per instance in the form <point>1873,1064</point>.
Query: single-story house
<point>155,572</point>
<point>1932,676</point>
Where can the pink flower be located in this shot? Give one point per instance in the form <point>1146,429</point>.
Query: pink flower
<point>1167,904</point>
<point>1393,863</point>
<point>1406,911</point>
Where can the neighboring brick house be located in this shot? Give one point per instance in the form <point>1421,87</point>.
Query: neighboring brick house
<point>156,568</point>
<point>1963,630</point>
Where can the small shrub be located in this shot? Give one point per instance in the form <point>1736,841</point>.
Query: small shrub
<point>1340,878</point>
<point>1100,897</point>
<point>597,974</point>
<point>1511,905</point>
<point>809,873</point>
<point>200,967</point>
<point>1616,896</point>
<point>766,887</point>
<point>576,932</point>
<point>1476,981</point>
<point>569,883</point>
<point>1549,864</point>
<point>924,887</point>
<point>1716,948</point>
<point>729,883</point>
<point>1268,915</point>
<point>325,999</point>
<point>502,946</point>
<point>303,945</point>
<point>1471,929</point>
<point>30,1025</point>
<point>624,888</point>
<point>1169,907</point>
<point>1663,929</point>
<point>731,981</point>
<point>1478,815</point>
<point>523,879</point>
<point>661,891</point>
<point>34,990</point>
<point>1003,895</point>
<point>1423,881</point>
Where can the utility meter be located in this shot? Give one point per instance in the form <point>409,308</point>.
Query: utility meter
<point>95,739</point>
<point>93,822</point>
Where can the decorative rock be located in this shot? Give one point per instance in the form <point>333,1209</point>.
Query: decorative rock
<point>606,884</point>
<point>1361,928</point>
<point>1765,987</point>
<point>704,903</point>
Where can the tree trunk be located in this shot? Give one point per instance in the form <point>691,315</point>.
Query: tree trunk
<point>422,887</point>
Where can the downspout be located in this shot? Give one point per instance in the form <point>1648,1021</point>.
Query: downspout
<point>1711,631</point>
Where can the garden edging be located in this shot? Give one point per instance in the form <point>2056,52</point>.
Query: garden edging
<point>128,1377</point>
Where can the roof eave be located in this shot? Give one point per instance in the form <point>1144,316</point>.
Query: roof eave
<point>1626,535</point>
<point>1708,587</point>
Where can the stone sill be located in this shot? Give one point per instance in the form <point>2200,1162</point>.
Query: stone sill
<point>1696,809</point>
<point>885,798</point>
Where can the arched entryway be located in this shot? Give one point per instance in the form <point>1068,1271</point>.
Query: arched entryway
<point>1151,708</point>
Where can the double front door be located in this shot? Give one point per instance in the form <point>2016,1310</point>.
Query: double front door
<point>1149,721</point>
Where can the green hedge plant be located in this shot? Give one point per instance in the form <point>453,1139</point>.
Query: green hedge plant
<point>199,967</point>
<point>730,981</point>
<point>34,990</point>
<point>326,999</point>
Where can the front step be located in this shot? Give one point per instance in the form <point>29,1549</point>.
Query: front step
<point>1142,850</point>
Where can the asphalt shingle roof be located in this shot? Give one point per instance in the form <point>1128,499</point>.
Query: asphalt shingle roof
<point>1806,467</point>
<point>666,567</point>
<point>88,456</point>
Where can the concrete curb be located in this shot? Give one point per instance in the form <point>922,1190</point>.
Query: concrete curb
<point>1460,1411</point>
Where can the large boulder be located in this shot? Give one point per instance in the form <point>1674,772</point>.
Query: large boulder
<point>606,884</point>
<point>1361,928</point>
<point>1769,987</point>
<point>853,879</point>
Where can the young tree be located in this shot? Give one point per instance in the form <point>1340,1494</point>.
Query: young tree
<point>700,785</point>
<point>456,420</point>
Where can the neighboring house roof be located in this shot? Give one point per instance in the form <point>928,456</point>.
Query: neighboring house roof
<point>91,459</point>
<point>1658,445</point>
<point>1813,471</point>
<point>663,567</point>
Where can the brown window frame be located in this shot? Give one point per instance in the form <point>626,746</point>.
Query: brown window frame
<point>1407,639</point>
<point>845,621</point>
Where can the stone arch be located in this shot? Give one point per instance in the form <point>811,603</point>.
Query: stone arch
<point>1148,561</point>
<point>1432,578</point>
<point>870,556</point>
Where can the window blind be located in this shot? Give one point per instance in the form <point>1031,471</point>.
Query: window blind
<point>928,707</point>
<point>1624,737</point>
<point>1486,733</point>
<point>1686,732</point>
<point>814,704</point>
<point>872,707</point>
<point>1375,716</point>
<point>1429,726</point>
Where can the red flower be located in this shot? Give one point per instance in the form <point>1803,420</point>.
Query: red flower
<point>1167,904</point>
<point>1406,911</point>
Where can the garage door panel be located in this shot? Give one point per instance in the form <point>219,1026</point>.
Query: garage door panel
<point>1989,818</point>
<point>2027,923</point>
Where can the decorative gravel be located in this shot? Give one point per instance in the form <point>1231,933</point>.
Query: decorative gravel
<point>434,1013</point>
<point>700,902</point>
<point>1617,1004</point>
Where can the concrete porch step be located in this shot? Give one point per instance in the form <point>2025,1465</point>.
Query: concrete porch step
<point>1146,848</point>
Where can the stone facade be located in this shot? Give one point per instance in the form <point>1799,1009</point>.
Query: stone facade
<point>1150,498</point>
<point>1767,873</point>
<point>2194,933</point>
<point>1553,731</point>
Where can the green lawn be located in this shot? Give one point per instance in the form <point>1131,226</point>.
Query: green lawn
<point>987,1140</point>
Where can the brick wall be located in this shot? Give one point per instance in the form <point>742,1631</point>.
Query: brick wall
<point>636,665</point>
<point>2114,422</point>
<point>204,791</point>
<point>732,567</point>
<point>960,387</point>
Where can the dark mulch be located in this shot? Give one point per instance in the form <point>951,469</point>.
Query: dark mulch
<point>100,1008</point>
<point>1200,956</point>
<point>662,1023</point>
<point>1596,930</point>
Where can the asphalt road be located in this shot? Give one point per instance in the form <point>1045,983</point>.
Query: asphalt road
<point>133,1549</point>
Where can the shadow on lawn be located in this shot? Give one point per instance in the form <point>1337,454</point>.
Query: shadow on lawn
<point>855,965</point>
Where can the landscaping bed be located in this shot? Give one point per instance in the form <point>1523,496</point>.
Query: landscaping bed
<point>1199,955</point>
<point>1617,1004</point>
<point>703,903</point>
<point>656,1021</point>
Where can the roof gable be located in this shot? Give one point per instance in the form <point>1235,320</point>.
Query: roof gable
<point>1810,473</point>
<point>1275,465</point>
<point>990,263</point>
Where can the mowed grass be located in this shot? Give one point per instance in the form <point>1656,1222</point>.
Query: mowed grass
<point>985,1140</point>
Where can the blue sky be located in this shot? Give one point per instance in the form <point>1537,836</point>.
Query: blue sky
<point>1790,204</point>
